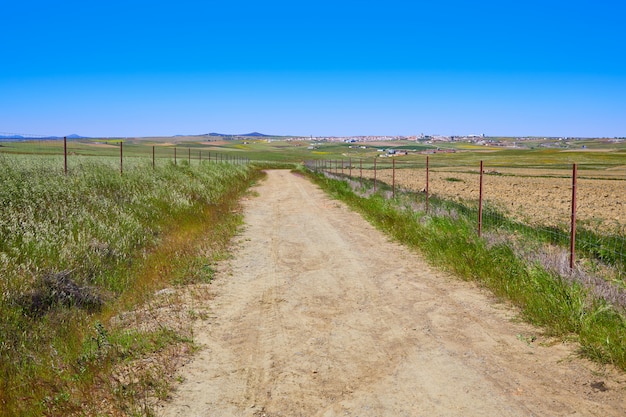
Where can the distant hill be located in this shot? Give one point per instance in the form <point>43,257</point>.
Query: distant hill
<point>32,137</point>
<point>253,134</point>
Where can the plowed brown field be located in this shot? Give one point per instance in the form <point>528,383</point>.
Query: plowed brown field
<point>537,197</point>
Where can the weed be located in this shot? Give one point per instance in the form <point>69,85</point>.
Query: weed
<point>76,248</point>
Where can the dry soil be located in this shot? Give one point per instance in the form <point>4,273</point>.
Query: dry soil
<point>319,314</point>
<point>533,196</point>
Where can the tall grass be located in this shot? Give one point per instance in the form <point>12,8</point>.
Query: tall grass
<point>447,237</point>
<point>72,246</point>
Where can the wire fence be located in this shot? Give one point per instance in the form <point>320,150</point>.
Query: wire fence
<point>577,210</point>
<point>118,151</point>
<point>577,213</point>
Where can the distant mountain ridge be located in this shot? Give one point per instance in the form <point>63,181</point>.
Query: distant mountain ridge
<point>29,137</point>
<point>16,136</point>
<point>253,134</point>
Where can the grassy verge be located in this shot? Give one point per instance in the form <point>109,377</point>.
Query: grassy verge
<point>447,238</point>
<point>77,250</point>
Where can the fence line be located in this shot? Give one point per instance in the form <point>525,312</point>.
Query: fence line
<point>123,151</point>
<point>600,240</point>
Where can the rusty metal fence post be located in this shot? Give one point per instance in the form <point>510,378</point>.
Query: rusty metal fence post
<point>374,174</point>
<point>572,243</point>
<point>480,201</point>
<point>153,162</point>
<point>393,178</point>
<point>121,158</point>
<point>175,156</point>
<point>360,172</point>
<point>427,173</point>
<point>65,154</point>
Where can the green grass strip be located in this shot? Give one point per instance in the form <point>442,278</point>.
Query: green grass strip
<point>76,248</point>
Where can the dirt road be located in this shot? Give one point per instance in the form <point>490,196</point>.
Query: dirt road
<point>318,314</point>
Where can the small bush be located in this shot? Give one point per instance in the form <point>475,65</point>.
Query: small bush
<point>58,289</point>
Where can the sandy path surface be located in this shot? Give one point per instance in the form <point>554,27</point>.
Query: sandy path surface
<point>318,314</point>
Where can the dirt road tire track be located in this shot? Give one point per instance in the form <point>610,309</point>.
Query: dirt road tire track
<point>319,314</point>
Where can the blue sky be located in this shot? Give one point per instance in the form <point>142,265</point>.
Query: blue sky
<point>141,68</point>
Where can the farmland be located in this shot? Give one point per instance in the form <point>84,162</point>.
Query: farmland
<point>529,182</point>
<point>133,215</point>
<point>534,196</point>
